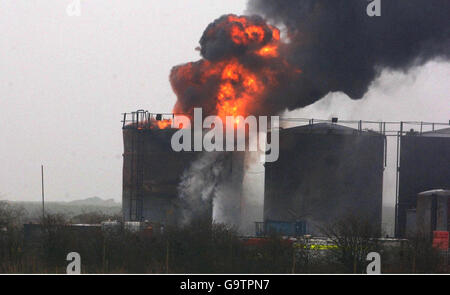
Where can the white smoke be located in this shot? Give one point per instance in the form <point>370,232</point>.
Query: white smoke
<point>213,182</point>
<point>252,193</point>
<point>198,184</point>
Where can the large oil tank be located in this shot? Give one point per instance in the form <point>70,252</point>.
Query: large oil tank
<point>424,165</point>
<point>152,172</point>
<point>325,172</point>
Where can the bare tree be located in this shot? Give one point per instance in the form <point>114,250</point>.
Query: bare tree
<point>354,237</point>
<point>10,216</point>
<point>419,256</point>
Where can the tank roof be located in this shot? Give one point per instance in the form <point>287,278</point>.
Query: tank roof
<point>435,192</point>
<point>438,133</point>
<point>328,128</point>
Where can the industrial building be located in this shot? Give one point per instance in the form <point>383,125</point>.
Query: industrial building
<point>424,165</point>
<point>325,171</point>
<point>432,212</point>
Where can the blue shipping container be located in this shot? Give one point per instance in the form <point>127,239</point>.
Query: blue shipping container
<point>298,228</point>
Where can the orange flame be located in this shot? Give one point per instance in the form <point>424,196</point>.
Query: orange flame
<point>163,124</point>
<point>237,87</point>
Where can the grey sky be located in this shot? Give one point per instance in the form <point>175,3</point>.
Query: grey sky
<point>64,81</point>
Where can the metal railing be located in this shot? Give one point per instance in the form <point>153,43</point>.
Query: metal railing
<point>387,128</point>
<point>143,119</point>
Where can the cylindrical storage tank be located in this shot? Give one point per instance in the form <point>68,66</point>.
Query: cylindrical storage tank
<point>325,172</point>
<point>432,212</point>
<point>153,171</point>
<point>424,165</point>
<point>151,174</point>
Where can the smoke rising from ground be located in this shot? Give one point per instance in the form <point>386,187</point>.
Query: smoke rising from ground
<point>198,185</point>
<point>340,48</point>
<point>210,183</point>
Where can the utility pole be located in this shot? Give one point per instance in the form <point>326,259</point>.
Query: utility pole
<point>42,186</point>
<point>167,255</point>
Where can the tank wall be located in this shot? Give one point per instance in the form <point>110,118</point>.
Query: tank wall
<point>423,166</point>
<point>432,214</point>
<point>322,177</point>
<point>152,173</point>
<point>228,204</point>
<point>131,180</point>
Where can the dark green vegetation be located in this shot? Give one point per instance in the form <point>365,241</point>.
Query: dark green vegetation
<point>32,211</point>
<point>197,248</point>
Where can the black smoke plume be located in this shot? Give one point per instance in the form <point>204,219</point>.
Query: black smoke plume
<point>340,48</point>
